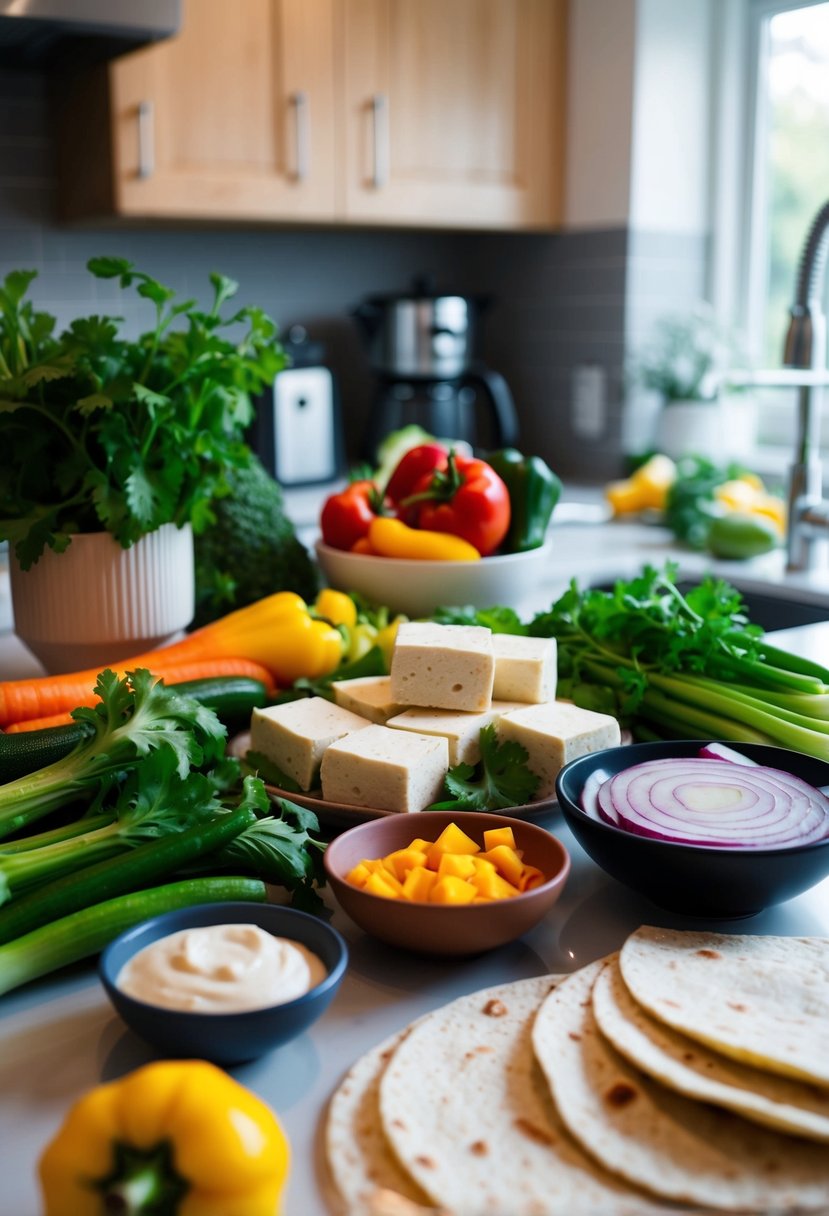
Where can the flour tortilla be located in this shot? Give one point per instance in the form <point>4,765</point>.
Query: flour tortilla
<point>682,1150</point>
<point>468,1113</point>
<point>763,1000</point>
<point>700,1073</point>
<point>363,1168</point>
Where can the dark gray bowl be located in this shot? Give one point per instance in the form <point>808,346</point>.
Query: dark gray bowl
<point>226,1038</point>
<point>694,880</point>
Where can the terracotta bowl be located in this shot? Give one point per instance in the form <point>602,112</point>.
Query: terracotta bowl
<point>433,928</point>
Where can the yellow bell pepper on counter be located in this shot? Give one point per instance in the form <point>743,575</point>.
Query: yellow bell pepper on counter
<point>647,487</point>
<point>180,1137</point>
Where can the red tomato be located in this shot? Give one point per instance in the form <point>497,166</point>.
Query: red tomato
<point>413,465</point>
<point>346,516</point>
<point>468,499</point>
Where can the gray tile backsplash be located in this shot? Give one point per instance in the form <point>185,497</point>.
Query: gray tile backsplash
<point>558,300</point>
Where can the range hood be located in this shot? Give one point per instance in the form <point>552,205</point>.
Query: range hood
<point>48,33</point>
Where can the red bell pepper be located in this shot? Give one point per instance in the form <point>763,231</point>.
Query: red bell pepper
<point>347,515</point>
<point>466,498</point>
<point>412,466</point>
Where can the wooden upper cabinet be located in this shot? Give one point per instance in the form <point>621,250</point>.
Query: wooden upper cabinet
<point>453,112</point>
<point>431,113</point>
<point>232,119</point>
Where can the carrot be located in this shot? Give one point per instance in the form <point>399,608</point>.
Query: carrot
<point>47,696</point>
<point>17,728</point>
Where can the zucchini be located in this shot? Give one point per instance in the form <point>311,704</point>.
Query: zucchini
<point>232,698</point>
<point>27,751</point>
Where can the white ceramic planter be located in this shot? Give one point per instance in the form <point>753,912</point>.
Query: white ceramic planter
<point>97,603</point>
<point>691,428</point>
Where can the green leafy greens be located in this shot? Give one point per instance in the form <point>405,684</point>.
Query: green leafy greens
<point>502,779</point>
<point>103,432</point>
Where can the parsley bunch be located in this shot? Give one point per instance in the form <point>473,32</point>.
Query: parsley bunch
<point>99,431</point>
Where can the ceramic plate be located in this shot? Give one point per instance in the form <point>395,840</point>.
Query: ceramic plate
<point>341,815</point>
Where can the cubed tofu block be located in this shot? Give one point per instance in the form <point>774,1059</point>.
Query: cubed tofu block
<point>443,666</point>
<point>294,736</point>
<point>389,769</point>
<point>555,733</point>
<point>525,668</point>
<point>368,696</point>
<point>462,731</point>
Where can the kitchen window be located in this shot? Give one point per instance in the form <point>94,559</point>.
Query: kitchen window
<point>787,181</point>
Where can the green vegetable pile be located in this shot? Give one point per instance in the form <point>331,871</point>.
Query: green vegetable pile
<point>251,549</point>
<point>100,431</point>
<point>673,665</point>
<point>146,796</point>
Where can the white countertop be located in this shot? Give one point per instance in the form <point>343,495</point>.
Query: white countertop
<point>59,1036</point>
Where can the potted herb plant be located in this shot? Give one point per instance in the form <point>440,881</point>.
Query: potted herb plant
<point>111,451</point>
<point>686,363</point>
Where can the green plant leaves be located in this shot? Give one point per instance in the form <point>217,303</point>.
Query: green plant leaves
<point>100,429</point>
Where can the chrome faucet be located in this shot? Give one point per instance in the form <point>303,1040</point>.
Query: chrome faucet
<point>805,349</point>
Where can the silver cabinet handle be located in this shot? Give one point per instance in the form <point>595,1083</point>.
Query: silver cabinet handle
<point>380,133</point>
<point>302,130</point>
<point>146,139</point>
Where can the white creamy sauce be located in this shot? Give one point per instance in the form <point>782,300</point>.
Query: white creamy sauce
<point>221,969</point>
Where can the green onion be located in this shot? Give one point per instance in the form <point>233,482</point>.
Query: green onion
<point>129,872</point>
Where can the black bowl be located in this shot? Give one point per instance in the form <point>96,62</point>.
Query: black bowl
<point>695,880</point>
<point>226,1038</point>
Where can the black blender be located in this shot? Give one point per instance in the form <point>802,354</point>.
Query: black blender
<point>421,347</point>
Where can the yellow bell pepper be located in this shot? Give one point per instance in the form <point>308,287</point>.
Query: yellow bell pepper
<point>336,607</point>
<point>647,487</point>
<point>183,1130</point>
<point>393,538</point>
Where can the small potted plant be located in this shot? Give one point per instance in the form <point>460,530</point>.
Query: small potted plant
<point>111,451</point>
<point>686,363</point>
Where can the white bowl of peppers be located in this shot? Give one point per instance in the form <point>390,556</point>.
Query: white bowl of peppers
<point>445,530</point>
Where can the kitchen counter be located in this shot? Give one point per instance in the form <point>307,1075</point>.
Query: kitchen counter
<point>60,1036</point>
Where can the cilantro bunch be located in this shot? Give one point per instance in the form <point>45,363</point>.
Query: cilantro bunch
<point>100,431</point>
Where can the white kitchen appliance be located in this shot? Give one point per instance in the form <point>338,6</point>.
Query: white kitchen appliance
<point>298,434</point>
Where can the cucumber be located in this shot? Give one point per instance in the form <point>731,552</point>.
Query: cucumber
<point>232,699</point>
<point>25,752</point>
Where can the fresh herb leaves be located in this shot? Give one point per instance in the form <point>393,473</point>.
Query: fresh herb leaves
<point>502,779</point>
<point>102,432</point>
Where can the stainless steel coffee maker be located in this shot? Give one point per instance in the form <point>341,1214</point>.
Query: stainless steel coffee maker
<point>421,345</point>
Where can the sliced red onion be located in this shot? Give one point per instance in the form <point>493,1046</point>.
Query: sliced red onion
<point>719,751</point>
<point>589,798</point>
<point>695,800</point>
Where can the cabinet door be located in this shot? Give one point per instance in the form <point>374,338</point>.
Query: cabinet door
<point>233,118</point>
<point>453,111</point>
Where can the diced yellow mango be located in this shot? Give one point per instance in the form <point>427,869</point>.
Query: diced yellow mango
<point>452,890</point>
<point>507,862</point>
<point>422,846</point>
<point>492,885</point>
<point>401,861</point>
<point>358,875</point>
<point>495,836</point>
<point>482,863</point>
<point>462,865</point>
<point>418,884</point>
<point>531,877</point>
<point>380,884</point>
<point>451,840</point>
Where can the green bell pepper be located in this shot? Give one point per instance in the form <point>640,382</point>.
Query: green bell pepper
<point>534,490</point>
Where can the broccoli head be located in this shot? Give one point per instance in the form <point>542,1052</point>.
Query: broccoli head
<point>251,550</point>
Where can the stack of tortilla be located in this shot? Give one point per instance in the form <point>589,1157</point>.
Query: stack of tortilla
<point>689,1072</point>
